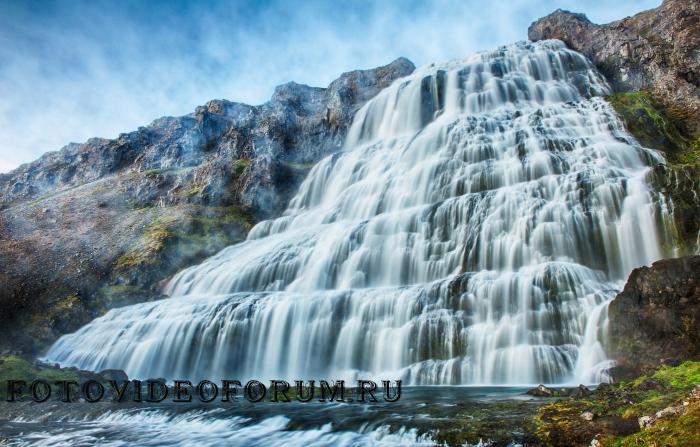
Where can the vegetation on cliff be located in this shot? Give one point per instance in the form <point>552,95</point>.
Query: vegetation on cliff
<point>679,179</point>
<point>104,223</point>
<point>647,120</point>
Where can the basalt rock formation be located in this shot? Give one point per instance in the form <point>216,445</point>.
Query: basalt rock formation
<point>100,224</point>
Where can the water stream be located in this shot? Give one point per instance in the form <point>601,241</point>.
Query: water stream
<point>479,219</point>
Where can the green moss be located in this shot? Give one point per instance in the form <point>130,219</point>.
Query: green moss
<point>679,431</point>
<point>14,367</point>
<point>216,218</point>
<point>240,165</point>
<point>196,190</point>
<point>152,173</point>
<point>150,243</point>
<point>617,408</point>
<point>119,289</point>
<point>209,224</point>
<point>653,128</point>
<point>679,179</point>
<point>685,376</point>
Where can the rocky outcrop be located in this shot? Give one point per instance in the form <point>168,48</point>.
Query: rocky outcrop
<point>101,224</point>
<point>656,50</point>
<point>204,157</point>
<point>656,316</point>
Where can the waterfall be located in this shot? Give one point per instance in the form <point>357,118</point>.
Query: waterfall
<point>481,216</point>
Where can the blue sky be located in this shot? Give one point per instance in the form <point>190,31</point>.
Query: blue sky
<point>70,70</point>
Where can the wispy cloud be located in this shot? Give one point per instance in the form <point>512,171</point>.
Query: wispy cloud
<point>73,70</point>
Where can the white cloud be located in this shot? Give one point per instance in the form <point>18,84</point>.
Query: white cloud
<point>72,72</point>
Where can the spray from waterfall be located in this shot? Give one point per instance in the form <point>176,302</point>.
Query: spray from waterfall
<point>482,215</point>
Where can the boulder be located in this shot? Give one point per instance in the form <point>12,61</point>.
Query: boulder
<point>117,375</point>
<point>656,316</point>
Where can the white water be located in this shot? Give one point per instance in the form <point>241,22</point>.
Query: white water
<point>482,214</point>
<point>205,428</point>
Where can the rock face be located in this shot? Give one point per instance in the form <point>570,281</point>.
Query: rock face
<point>657,315</point>
<point>100,224</point>
<point>656,50</point>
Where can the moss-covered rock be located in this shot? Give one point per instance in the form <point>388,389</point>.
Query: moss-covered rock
<point>616,409</point>
<point>15,367</point>
<point>174,241</point>
<point>646,120</point>
<point>682,431</point>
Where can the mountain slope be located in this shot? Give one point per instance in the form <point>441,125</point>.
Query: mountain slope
<point>100,224</point>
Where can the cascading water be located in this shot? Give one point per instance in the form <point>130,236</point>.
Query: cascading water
<point>480,218</point>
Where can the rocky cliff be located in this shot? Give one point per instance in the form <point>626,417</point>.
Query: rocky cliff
<point>652,61</point>
<point>101,224</point>
<point>656,50</point>
<point>657,315</point>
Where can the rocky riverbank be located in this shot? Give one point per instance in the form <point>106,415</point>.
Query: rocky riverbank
<point>659,408</point>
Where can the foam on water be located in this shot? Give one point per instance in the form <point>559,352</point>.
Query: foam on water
<point>205,428</point>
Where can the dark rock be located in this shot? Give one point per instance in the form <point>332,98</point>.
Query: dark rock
<point>651,384</point>
<point>542,391</point>
<point>580,391</point>
<point>545,391</point>
<point>117,375</point>
<point>671,362</point>
<point>657,314</point>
